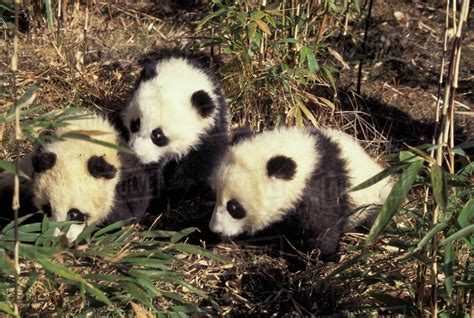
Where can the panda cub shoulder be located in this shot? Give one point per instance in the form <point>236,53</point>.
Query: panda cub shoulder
<point>79,180</point>
<point>294,178</point>
<point>177,117</point>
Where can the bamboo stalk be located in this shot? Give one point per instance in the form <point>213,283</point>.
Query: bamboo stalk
<point>18,136</point>
<point>421,272</point>
<point>446,132</point>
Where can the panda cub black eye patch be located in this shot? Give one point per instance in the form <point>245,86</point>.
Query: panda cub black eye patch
<point>43,161</point>
<point>135,125</point>
<point>46,208</point>
<point>203,103</point>
<point>100,168</point>
<point>281,167</point>
<point>76,215</point>
<point>159,138</point>
<point>235,209</point>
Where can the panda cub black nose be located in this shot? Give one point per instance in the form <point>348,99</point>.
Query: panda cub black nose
<point>76,215</point>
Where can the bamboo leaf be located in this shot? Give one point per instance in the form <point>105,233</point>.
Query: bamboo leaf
<point>431,233</point>
<point>468,230</point>
<point>329,76</point>
<point>140,312</point>
<point>394,200</point>
<point>31,253</point>
<point>338,57</point>
<point>98,142</point>
<point>467,214</point>
<point>6,308</point>
<point>448,269</point>
<point>292,41</point>
<point>263,26</point>
<point>251,31</point>
<point>192,249</point>
<point>327,102</point>
<point>28,97</point>
<point>7,166</point>
<point>379,176</point>
<point>303,53</point>
<point>396,304</point>
<point>179,235</point>
<point>137,293</point>
<point>10,225</point>
<point>112,227</point>
<point>357,5</point>
<point>440,186</point>
<point>211,16</point>
<point>348,263</point>
<point>313,66</point>
<point>306,111</point>
<point>6,263</point>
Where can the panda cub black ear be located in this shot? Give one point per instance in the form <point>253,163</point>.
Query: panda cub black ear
<point>100,168</point>
<point>43,161</point>
<point>240,134</point>
<point>203,103</point>
<point>148,71</point>
<point>281,167</point>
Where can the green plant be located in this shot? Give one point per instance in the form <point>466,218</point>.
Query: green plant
<point>120,266</point>
<point>277,54</point>
<point>402,228</point>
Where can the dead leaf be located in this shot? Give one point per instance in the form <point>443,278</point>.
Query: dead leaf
<point>263,26</point>
<point>339,58</point>
<point>327,102</point>
<point>140,312</point>
<point>399,16</point>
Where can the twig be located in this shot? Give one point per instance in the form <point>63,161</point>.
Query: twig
<point>86,22</point>
<point>362,59</point>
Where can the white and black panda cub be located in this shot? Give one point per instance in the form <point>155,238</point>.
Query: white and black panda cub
<point>177,117</point>
<point>293,180</point>
<point>78,180</point>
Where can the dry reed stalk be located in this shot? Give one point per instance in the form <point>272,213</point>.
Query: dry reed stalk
<point>421,279</point>
<point>18,136</point>
<point>446,132</point>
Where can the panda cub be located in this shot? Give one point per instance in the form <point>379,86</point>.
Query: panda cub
<point>78,180</point>
<point>293,180</point>
<point>177,117</point>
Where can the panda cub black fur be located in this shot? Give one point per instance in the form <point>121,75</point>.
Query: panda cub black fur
<point>77,180</point>
<point>294,180</point>
<point>177,117</point>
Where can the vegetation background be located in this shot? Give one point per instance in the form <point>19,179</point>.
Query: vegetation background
<point>390,73</point>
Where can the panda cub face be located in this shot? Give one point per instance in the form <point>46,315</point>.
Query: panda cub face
<point>172,106</point>
<point>244,196</point>
<point>259,180</point>
<point>75,180</point>
<point>64,191</point>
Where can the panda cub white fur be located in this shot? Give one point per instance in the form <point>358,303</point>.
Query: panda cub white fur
<point>177,117</point>
<point>294,180</point>
<point>78,180</point>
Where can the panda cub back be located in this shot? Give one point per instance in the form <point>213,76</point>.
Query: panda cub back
<point>294,178</point>
<point>177,117</point>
